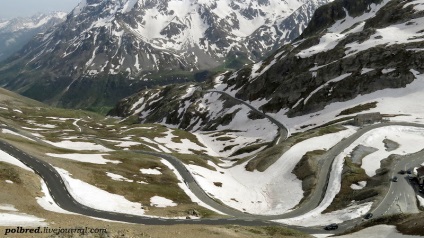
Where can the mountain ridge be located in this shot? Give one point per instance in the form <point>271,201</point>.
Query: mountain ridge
<point>354,58</point>
<point>16,32</point>
<point>143,43</point>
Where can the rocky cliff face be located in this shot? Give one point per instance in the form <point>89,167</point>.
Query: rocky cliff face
<point>110,48</point>
<point>350,53</point>
<point>355,54</point>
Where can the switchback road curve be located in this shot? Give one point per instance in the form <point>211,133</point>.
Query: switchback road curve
<point>63,198</point>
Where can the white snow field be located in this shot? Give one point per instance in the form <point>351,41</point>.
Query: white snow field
<point>248,132</point>
<point>5,157</point>
<point>20,219</point>
<point>420,200</point>
<point>410,140</point>
<point>359,186</point>
<point>274,191</point>
<point>47,201</point>
<point>158,201</point>
<point>150,171</point>
<point>118,177</point>
<point>184,187</point>
<point>94,197</point>
<point>405,102</point>
<point>7,131</point>
<point>242,131</point>
<point>315,217</point>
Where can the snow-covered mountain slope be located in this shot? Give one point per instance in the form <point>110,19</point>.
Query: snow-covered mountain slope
<point>228,128</point>
<point>145,42</point>
<point>366,53</point>
<point>15,33</point>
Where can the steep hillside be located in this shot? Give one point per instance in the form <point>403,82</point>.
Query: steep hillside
<point>109,49</point>
<point>228,127</point>
<point>15,33</point>
<point>350,54</point>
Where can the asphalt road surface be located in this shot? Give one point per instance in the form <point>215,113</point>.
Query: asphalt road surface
<point>398,196</point>
<point>401,196</point>
<point>283,132</point>
<point>62,197</point>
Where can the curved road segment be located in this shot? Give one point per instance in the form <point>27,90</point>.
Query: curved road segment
<point>283,131</point>
<point>63,198</point>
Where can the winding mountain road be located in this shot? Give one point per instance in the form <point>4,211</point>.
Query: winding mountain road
<point>64,199</point>
<point>283,131</point>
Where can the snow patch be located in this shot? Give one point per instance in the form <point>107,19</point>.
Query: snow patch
<point>274,191</point>
<point>96,198</point>
<point>327,42</point>
<point>318,219</point>
<point>118,177</point>
<point>337,79</point>
<point>150,171</point>
<point>420,200</point>
<point>21,219</point>
<point>5,157</point>
<point>47,201</point>
<point>185,188</point>
<point>157,201</point>
<point>359,186</point>
<point>7,131</point>
<point>8,207</point>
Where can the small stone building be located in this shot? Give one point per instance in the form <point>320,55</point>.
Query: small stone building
<point>367,118</point>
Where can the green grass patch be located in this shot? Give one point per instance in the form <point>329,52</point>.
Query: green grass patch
<point>249,148</point>
<point>164,185</point>
<point>227,148</point>
<point>352,174</point>
<point>358,108</point>
<point>199,160</point>
<point>8,172</point>
<point>181,134</point>
<point>224,138</point>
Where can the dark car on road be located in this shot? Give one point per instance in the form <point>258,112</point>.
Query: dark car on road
<point>368,216</point>
<point>331,227</point>
<point>402,171</point>
<point>394,179</point>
